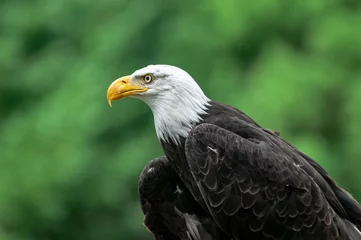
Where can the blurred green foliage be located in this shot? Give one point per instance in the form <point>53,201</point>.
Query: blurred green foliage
<point>69,164</point>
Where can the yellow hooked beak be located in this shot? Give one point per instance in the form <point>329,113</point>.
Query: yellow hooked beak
<point>121,88</point>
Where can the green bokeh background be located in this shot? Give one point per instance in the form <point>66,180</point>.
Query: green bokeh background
<point>69,164</point>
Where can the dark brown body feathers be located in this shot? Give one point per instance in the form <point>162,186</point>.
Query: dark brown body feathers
<point>240,181</point>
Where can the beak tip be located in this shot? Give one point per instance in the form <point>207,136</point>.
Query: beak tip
<point>110,102</point>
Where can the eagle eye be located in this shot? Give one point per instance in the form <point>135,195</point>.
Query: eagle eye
<point>148,78</point>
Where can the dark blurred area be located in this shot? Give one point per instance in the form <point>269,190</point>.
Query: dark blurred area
<point>69,164</point>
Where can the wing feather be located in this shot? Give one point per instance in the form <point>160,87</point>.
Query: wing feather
<point>170,211</point>
<point>248,184</point>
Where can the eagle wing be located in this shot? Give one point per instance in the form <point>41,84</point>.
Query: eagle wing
<point>340,200</point>
<point>170,211</point>
<point>255,189</point>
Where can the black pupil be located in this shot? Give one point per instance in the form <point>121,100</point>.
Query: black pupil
<point>147,78</point>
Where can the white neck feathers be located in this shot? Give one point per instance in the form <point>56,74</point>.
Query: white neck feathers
<point>174,118</point>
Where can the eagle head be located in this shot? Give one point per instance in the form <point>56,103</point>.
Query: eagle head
<point>176,100</point>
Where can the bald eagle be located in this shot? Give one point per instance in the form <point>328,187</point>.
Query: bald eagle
<point>223,176</point>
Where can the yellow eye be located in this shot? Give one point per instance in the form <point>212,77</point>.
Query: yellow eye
<point>148,78</point>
